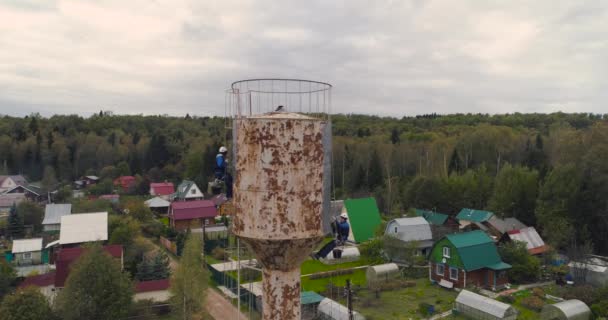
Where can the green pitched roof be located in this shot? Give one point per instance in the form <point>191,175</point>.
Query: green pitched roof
<point>432,217</point>
<point>363,217</point>
<point>474,215</point>
<point>308,297</point>
<point>477,250</point>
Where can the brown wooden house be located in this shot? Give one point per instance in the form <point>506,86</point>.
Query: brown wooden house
<point>192,214</point>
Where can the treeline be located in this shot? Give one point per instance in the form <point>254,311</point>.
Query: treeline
<point>548,170</point>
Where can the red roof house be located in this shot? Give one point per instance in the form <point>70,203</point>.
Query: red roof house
<point>41,280</point>
<point>152,285</point>
<point>125,182</point>
<point>156,290</point>
<point>67,256</point>
<point>192,214</point>
<point>160,189</point>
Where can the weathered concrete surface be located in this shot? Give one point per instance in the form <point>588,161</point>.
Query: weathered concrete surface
<point>278,195</point>
<point>279,178</point>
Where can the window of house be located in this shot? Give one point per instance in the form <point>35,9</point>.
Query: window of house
<point>446,252</point>
<point>193,191</point>
<point>439,269</point>
<point>453,273</point>
<point>27,255</point>
<point>395,229</point>
<point>206,221</point>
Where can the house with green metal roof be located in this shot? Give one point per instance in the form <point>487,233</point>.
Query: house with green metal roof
<point>473,215</point>
<point>434,218</point>
<point>469,258</point>
<point>363,217</point>
<point>187,190</point>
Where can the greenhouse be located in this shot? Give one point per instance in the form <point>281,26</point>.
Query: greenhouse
<point>566,310</point>
<point>381,273</point>
<point>332,310</point>
<point>479,307</point>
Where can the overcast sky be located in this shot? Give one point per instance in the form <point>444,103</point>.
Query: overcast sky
<point>382,57</point>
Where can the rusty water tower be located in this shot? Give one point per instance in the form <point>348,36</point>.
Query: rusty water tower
<point>282,151</point>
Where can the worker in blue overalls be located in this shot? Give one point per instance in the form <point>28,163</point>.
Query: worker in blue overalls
<point>342,231</point>
<point>221,170</point>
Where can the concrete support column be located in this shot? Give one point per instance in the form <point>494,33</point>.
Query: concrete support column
<point>281,294</point>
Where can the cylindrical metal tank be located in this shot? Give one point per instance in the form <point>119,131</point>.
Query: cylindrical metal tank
<point>278,195</point>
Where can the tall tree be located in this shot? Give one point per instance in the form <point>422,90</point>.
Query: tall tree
<point>190,281</point>
<point>395,136</point>
<point>26,304</point>
<point>49,178</point>
<point>515,192</point>
<point>96,289</point>
<point>15,223</point>
<point>7,277</point>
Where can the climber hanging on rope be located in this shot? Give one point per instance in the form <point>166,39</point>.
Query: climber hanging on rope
<point>221,170</point>
<point>342,229</point>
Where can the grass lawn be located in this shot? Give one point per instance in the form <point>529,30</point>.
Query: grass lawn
<point>319,285</point>
<point>403,303</point>
<point>212,260</point>
<point>525,313</point>
<point>314,266</point>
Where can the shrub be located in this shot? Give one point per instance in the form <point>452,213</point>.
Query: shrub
<point>533,303</point>
<point>538,292</point>
<point>423,308</point>
<point>218,253</point>
<point>586,294</point>
<point>507,299</point>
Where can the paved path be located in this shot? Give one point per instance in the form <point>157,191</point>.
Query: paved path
<point>441,315</point>
<point>220,308</point>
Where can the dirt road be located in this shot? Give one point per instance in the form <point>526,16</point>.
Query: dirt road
<point>220,308</point>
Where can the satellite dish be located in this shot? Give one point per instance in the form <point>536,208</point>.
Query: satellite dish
<point>443,260</point>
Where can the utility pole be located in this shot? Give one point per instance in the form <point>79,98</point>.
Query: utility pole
<point>349,299</point>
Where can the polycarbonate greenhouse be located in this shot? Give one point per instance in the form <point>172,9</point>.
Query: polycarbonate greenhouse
<point>381,273</point>
<point>331,310</point>
<point>476,306</point>
<point>566,310</point>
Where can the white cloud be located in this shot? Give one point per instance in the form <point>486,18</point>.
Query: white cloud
<point>386,57</point>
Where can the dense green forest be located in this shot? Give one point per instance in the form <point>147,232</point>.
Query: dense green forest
<point>548,170</point>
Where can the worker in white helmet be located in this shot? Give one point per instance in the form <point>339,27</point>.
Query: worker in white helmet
<point>221,170</point>
<point>342,231</point>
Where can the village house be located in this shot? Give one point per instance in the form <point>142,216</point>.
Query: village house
<point>83,227</point>
<point>441,223</point>
<point>155,290</point>
<point>31,192</point>
<point>192,214</point>
<point>86,181</point>
<point>467,217</point>
<point>158,205</point>
<point>44,282</point>
<point>112,198</point>
<point>187,190</point>
<point>27,251</point>
<point>7,201</point>
<point>9,182</point>
<point>529,235</point>
<point>52,216</point>
<point>412,229</point>
<point>162,190</point>
<point>67,256</point>
<point>126,183</point>
<point>469,258</point>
